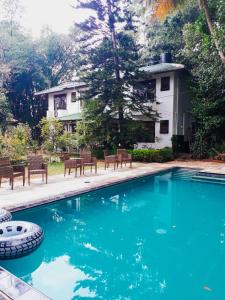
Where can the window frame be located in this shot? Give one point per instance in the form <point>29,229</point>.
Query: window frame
<point>58,106</point>
<point>164,130</point>
<point>165,86</point>
<point>73,100</point>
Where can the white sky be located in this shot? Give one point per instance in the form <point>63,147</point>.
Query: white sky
<point>57,14</point>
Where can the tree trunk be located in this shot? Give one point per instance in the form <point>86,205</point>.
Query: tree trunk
<point>116,61</point>
<point>204,5</point>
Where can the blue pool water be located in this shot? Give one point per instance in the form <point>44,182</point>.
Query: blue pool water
<point>160,237</point>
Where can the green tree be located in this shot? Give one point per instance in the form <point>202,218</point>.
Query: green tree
<point>109,62</point>
<point>16,142</point>
<point>51,132</point>
<point>160,9</point>
<point>207,84</point>
<point>5,114</point>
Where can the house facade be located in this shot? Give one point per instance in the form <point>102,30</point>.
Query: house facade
<point>172,102</point>
<point>65,104</point>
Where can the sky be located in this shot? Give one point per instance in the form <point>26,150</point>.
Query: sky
<point>59,15</point>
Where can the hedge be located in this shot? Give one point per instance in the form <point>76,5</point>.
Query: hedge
<point>152,155</point>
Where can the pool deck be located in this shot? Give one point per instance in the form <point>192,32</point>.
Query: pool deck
<point>60,187</point>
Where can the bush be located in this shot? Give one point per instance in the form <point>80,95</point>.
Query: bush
<point>152,155</point>
<point>15,142</point>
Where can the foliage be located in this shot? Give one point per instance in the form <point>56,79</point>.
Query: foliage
<point>28,65</point>
<point>5,114</point>
<point>208,85</point>
<point>51,132</point>
<point>15,142</point>
<point>101,131</point>
<point>167,35</point>
<point>109,64</point>
<point>152,155</point>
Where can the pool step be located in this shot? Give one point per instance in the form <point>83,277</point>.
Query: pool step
<point>185,174</point>
<point>209,177</point>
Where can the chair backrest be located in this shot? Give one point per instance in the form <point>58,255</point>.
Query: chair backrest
<point>4,161</point>
<point>106,152</point>
<point>6,171</point>
<point>87,158</point>
<point>122,152</point>
<point>35,162</point>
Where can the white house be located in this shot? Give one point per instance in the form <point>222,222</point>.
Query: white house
<point>64,103</point>
<point>172,103</point>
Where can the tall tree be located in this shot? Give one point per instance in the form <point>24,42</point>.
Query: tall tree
<point>11,12</point>
<point>110,61</point>
<point>161,8</point>
<point>58,53</point>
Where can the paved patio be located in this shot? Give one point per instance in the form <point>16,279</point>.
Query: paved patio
<point>60,187</point>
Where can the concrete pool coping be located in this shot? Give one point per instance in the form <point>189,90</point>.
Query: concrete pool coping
<point>60,187</point>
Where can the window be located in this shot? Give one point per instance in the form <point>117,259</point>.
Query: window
<point>165,83</point>
<point>60,101</point>
<point>151,92</point>
<point>148,135</point>
<point>74,97</point>
<point>164,126</point>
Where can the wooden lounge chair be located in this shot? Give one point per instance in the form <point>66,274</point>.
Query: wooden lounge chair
<point>73,164</point>
<point>36,165</point>
<point>88,160</point>
<point>110,159</point>
<point>11,172</point>
<point>124,157</point>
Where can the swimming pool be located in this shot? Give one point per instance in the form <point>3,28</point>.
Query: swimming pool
<point>158,237</point>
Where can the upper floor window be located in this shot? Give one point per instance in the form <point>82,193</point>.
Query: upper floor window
<point>74,97</point>
<point>165,83</point>
<point>60,101</point>
<point>151,93</point>
<point>164,126</point>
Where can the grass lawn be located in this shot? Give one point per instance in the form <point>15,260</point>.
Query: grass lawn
<point>56,168</point>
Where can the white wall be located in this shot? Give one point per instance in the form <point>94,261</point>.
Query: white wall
<point>72,107</point>
<point>166,110</point>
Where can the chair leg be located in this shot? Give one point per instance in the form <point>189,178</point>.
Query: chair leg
<point>96,169</point>
<point>64,172</point>
<point>23,180</point>
<point>43,177</point>
<point>12,181</point>
<point>131,164</point>
<point>80,170</point>
<point>91,169</point>
<point>46,176</point>
<point>75,172</point>
<point>29,178</point>
<point>0,181</point>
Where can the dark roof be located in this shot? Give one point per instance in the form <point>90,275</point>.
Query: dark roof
<point>162,68</point>
<point>60,88</point>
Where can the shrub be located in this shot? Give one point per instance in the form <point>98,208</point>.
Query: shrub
<point>15,142</point>
<point>152,155</point>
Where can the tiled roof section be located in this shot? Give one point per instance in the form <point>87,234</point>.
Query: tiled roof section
<point>162,68</point>
<point>62,87</point>
<point>73,117</point>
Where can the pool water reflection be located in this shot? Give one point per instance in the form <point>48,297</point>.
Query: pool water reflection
<point>152,238</point>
